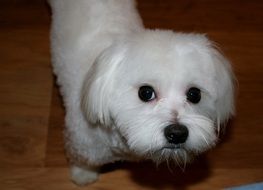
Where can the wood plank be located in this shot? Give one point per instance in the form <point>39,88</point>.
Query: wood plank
<point>55,154</point>
<point>25,95</point>
<point>203,15</point>
<point>58,178</point>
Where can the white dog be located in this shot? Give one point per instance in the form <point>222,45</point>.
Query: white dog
<point>131,93</point>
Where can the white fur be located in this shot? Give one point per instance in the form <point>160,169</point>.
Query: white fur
<point>102,54</point>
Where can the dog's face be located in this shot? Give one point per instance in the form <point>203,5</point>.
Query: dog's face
<point>165,93</point>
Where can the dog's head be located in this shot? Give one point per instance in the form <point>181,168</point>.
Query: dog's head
<point>166,93</point>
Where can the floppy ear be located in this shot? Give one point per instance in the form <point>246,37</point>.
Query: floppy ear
<point>224,87</point>
<point>99,85</point>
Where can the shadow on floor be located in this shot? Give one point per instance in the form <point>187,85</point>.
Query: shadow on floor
<point>147,174</point>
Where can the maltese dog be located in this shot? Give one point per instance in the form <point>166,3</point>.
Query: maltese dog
<point>132,93</point>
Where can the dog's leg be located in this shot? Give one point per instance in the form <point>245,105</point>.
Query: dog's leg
<point>83,175</point>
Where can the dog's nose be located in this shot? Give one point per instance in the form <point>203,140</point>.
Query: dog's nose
<point>176,133</point>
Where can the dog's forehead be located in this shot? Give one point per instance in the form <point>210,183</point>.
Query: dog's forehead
<point>169,60</point>
<point>166,49</point>
<point>164,41</point>
<point>168,66</point>
<point>179,61</point>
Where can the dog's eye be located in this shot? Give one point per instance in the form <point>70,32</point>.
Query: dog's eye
<point>194,95</point>
<point>146,93</point>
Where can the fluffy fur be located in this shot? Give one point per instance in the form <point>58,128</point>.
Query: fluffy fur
<point>101,55</point>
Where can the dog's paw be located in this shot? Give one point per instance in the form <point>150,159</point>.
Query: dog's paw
<point>83,176</point>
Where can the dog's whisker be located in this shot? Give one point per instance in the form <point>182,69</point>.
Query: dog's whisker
<point>168,165</point>
<point>185,159</point>
<point>178,161</point>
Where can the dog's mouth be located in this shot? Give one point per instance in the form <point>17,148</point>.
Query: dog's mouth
<point>173,146</point>
<point>172,153</point>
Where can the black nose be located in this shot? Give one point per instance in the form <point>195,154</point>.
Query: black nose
<point>176,133</point>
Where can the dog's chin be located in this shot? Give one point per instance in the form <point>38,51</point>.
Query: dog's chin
<point>170,153</point>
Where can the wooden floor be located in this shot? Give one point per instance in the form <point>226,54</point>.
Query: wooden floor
<point>31,112</point>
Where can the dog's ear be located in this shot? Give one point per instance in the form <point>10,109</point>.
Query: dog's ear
<point>99,85</point>
<point>225,86</point>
